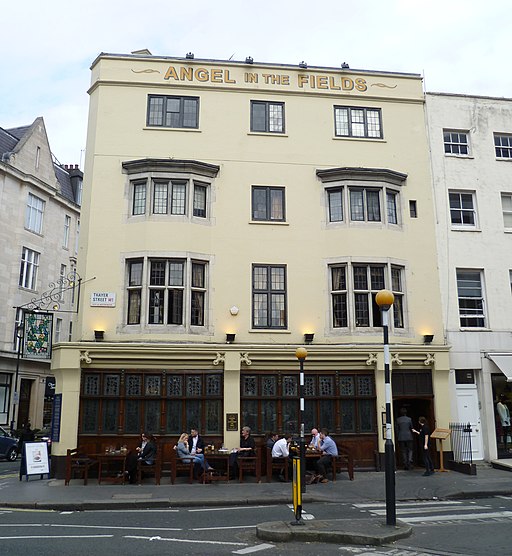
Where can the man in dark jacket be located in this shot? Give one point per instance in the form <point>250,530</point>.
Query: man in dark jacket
<point>404,437</point>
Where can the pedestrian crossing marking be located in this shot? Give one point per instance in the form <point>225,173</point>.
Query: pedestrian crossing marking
<point>445,512</point>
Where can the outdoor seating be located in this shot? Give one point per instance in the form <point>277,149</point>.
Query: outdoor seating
<point>249,464</point>
<point>276,464</point>
<point>155,469</point>
<point>344,460</point>
<point>179,465</point>
<point>78,463</point>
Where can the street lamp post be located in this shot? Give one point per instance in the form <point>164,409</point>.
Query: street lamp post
<point>384,300</point>
<point>301,354</point>
<point>15,394</point>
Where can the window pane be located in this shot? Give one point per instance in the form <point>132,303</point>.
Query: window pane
<point>90,409</point>
<point>356,205</point>
<point>155,111</point>
<point>156,306</point>
<point>135,272</point>
<point>258,119</point>
<point>366,410</point>
<point>362,310</point>
<point>139,198</point>
<point>197,309</point>
<point>275,117</point>
<point>335,205</point>
<point>341,116</point>
<point>213,416</point>
<point>290,416</point>
<point>348,416</point>
<point>200,201</point>
<point>259,204</point>
<point>373,205</point>
<point>269,415</point>
<point>175,314</point>
<point>198,274</point>
<point>327,414</point>
<point>174,421</point>
<point>277,204</point>
<point>176,273</point>
<point>157,276</point>
<point>250,413</point>
<point>152,415</point>
<point>178,198</point>
<point>110,416</point>
<point>190,107</point>
<point>132,416</point>
<point>160,198</point>
<point>391,206</point>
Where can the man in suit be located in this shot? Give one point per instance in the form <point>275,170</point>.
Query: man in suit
<point>195,442</point>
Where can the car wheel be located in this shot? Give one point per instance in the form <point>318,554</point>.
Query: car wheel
<point>12,454</point>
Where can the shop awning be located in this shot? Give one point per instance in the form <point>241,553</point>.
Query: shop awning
<point>504,363</point>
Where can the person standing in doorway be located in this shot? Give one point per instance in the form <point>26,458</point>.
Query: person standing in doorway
<point>424,434</point>
<point>504,413</point>
<point>404,437</point>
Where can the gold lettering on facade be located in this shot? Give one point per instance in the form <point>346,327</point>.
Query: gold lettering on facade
<point>347,84</point>
<point>171,72</point>
<point>322,82</point>
<point>332,85</point>
<point>227,78</point>
<point>361,84</point>
<point>216,76</point>
<point>302,79</point>
<point>201,74</point>
<point>251,77</point>
<point>186,73</point>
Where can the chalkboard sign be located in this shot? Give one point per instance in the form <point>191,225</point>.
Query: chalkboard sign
<point>56,415</point>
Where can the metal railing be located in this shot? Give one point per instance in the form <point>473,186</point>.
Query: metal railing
<point>461,442</point>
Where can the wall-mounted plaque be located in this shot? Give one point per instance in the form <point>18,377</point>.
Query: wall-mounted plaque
<point>232,421</point>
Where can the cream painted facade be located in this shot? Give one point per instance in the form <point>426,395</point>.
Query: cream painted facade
<point>313,169</point>
<point>481,245</point>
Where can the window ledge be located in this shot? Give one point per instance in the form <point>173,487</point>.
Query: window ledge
<point>468,229</point>
<point>372,139</point>
<point>162,128</point>
<point>267,134</point>
<point>474,329</point>
<point>269,331</point>
<point>452,155</point>
<point>499,159</point>
<point>273,222</point>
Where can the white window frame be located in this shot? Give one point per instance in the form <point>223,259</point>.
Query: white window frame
<point>464,279</point>
<point>502,145</point>
<point>58,329</point>
<point>506,208</point>
<point>67,230</point>
<point>463,210</point>
<point>34,213</point>
<point>455,142</point>
<point>29,269</point>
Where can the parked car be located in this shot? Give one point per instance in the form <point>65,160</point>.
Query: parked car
<point>8,445</point>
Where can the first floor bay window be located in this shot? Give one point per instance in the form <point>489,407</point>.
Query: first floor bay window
<point>353,290</point>
<point>173,290</point>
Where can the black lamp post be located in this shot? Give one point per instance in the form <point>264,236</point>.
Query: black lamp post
<point>384,300</point>
<point>301,354</point>
<point>16,395</point>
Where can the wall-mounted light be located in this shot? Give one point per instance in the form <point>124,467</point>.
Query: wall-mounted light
<point>308,337</point>
<point>303,65</point>
<point>189,56</point>
<point>230,338</point>
<point>427,338</point>
<point>99,335</point>
<point>249,60</point>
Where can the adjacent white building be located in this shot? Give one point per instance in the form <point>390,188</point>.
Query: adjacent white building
<point>471,152</point>
<point>39,225</point>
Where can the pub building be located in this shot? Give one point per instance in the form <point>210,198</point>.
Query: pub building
<point>233,211</point>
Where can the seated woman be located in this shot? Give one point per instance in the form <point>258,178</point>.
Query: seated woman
<point>146,453</point>
<point>199,460</point>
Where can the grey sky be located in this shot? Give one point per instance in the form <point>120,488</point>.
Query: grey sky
<point>47,47</point>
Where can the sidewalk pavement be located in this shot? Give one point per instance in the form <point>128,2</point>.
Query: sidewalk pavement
<point>51,494</point>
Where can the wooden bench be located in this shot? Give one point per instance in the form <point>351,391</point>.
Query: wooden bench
<point>177,464</point>
<point>344,460</point>
<point>276,464</point>
<point>154,469</point>
<point>78,462</point>
<point>249,464</point>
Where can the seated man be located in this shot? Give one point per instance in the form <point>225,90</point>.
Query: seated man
<point>329,449</point>
<point>281,450</point>
<point>315,439</point>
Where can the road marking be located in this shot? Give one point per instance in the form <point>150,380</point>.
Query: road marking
<point>185,540</point>
<point>132,511</point>
<point>52,537</point>
<point>231,508</point>
<point>220,528</point>
<point>304,515</point>
<point>407,504</point>
<point>401,511</point>
<point>256,548</point>
<point>78,526</point>
<point>456,517</point>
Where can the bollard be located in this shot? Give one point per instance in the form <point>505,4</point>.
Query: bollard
<point>297,491</point>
